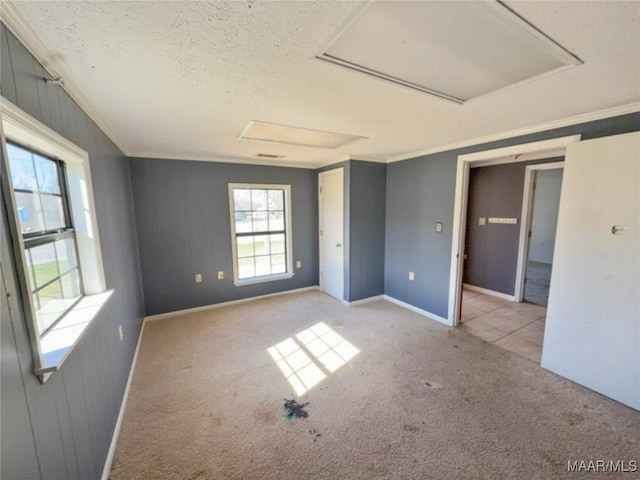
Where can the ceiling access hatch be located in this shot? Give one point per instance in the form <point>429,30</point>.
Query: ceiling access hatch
<point>288,135</point>
<point>457,50</point>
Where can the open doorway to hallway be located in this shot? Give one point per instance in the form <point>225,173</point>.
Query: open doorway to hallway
<point>510,214</point>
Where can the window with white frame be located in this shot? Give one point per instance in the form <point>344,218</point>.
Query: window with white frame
<point>44,213</point>
<point>261,232</point>
<point>48,194</point>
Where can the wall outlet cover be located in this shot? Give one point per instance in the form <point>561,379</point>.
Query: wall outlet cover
<point>198,277</point>
<point>298,264</point>
<point>220,275</point>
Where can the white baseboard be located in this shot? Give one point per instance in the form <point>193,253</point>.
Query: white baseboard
<point>363,300</point>
<point>408,306</point>
<point>116,431</point>
<point>486,291</point>
<point>160,316</point>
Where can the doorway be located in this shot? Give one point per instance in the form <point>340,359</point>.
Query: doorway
<point>541,203</point>
<point>499,318</point>
<point>331,231</point>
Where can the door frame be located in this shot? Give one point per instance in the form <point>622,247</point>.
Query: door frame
<point>333,171</point>
<point>516,153</point>
<point>525,222</point>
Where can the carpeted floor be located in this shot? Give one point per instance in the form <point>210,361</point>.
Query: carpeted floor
<point>418,401</point>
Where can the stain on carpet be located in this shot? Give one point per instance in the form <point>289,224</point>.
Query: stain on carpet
<point>315,434</point>
<point>293,409</point>
<point>573,418</point>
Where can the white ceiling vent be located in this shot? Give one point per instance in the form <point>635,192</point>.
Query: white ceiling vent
<point>304,137</point>
<point>457,50</point>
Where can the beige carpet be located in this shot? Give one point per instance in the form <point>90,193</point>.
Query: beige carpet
<point>418,401</point>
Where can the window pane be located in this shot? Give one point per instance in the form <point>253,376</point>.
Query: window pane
<point>278,264</point>
<point>263,266</point>
<point>44,263</point>
<point>243,222</point>
<point>258,200</point>
<point>53,212</point>
<point>241,199</point>
<point>262,244</point>
<point>276,199</point>
<point>246,268</point>
<point>277,243</point>
<point>29,212</point>
<point>52,305</point>
<point>276,220</point>
<point>47,174</point>
<point>71,286</point>
<point>260,222</point>
<point>23,176</point>
<point>66,250</point>
<point>244,246</point>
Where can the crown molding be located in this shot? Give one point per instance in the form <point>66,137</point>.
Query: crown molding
<point>14,21</point>
<point>564,122</point>
<point>214,159</point>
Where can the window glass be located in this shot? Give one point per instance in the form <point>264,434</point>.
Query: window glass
<point>260,231</point>
<point>52,271</point>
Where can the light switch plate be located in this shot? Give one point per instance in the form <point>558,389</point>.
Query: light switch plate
<point>220,275</point>
<point>298,264</point>
<point>412,276</point>
<point>482,221</point>
<point>198,277</point>
<point>438,227</point>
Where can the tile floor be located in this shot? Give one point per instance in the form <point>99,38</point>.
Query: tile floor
<point>518,327</point>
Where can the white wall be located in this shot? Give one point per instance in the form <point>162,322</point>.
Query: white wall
<point>592,334</point>
<point>544,215</point>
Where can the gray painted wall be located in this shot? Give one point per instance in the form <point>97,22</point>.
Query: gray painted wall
<point>544,215</point>
<point>420,192</point>
<point>182,216</point>
<point>367,205</point>
<point>62,429</point>
<point>492,249</point>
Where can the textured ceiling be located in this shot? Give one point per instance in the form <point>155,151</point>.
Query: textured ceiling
<point>181,79</point>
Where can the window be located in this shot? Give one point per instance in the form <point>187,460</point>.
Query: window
<point>260,231</point>
<point>55,244</point>
<point>44,215</point>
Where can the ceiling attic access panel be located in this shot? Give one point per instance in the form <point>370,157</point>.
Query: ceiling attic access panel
<point>454,50</point>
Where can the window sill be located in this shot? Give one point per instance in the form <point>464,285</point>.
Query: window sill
<point>266,278</point>
<point>57,344</point>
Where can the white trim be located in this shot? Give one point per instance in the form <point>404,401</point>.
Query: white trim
<point>362,301</point>
<point>486,291</point>
<point>517,152</point>
<point>123,405</point>
<point>236,160</point>
<point>541,127</point>
<point>204,308</point>
<point>288,226</point>
<point>408,306</point>
<point>28,37</point>
<point>321,175</point>
<point>525,224</point>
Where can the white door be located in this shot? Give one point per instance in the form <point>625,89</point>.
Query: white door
<point>592,335</point>
<point>331,202</point>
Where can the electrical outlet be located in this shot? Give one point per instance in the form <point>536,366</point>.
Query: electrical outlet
<point>411,276</point>
<point>120,332</point>
<point>220,275</point>
<point>482,221</point>
<point>198,277</point>
<point>298,264</point>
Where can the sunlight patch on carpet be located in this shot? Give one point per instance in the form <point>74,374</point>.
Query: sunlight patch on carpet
<point>329,348</point>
